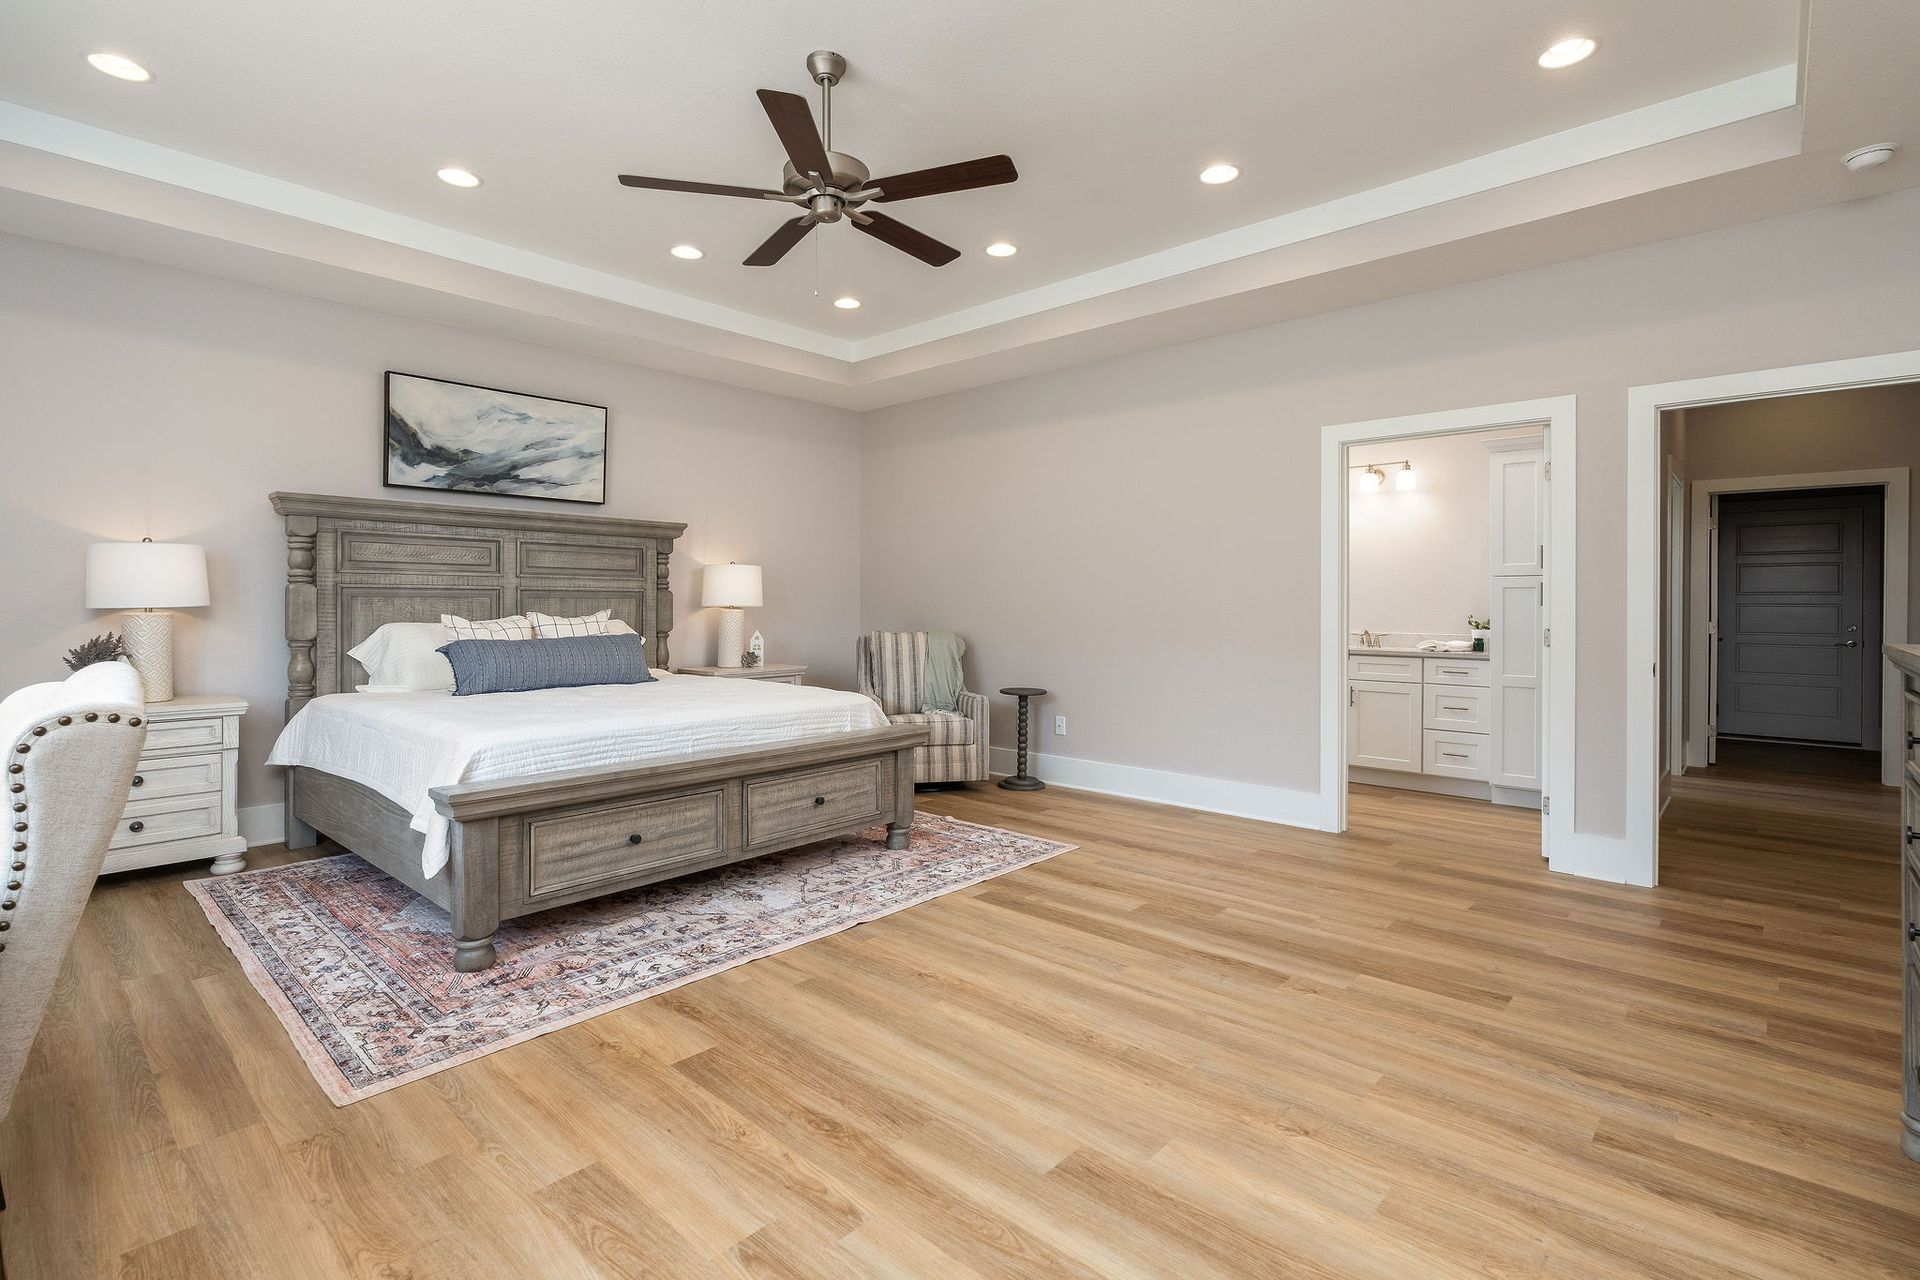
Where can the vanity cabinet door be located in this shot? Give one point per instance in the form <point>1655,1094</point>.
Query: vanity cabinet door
<point>1383,725</point>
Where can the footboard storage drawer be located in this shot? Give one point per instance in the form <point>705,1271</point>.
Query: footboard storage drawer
<point>824,800</point>
<point>571,851</point>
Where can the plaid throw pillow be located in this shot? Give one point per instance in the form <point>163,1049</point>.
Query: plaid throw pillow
<point>515,628</point>
<point>548,627</point>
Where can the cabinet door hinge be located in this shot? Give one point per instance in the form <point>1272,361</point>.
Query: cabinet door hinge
<point>1548,471</point>
<point>1547,638</point>
<point>1546,804</point>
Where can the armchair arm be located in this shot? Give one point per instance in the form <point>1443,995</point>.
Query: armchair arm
<point>974,707</point>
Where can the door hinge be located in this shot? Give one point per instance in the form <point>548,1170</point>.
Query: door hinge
<point>1546,804</point>
<point>1349,695</point>
<point>1546,638</point>
<point>1547,471</point>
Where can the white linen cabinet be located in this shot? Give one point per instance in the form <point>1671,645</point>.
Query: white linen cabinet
<point>1517,525</point>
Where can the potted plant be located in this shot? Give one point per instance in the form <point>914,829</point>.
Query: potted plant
<point>1478,625</point>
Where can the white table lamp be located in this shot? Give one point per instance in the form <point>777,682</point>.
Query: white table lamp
<point>147,576</point>
<point>731,588</point>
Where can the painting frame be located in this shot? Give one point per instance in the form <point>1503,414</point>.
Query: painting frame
<point>388,449</point>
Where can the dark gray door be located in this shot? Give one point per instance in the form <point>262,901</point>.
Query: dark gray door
<point>1799,651</point>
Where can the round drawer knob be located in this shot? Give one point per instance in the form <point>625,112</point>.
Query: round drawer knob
<point>819,799</point>
<point>635,838</point>
<point>139,781</point>
<point>136,826</point>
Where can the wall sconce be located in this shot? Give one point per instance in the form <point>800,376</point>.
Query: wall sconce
<point>1373,479</point>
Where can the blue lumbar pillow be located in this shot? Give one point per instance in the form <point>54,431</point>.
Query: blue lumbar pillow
<point>564,662</point>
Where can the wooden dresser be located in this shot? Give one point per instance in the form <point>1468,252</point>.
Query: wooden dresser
<point>181,805</point>
<point>1907,659</point>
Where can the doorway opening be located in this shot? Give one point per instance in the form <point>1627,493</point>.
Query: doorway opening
<point>1792,571</point>
<point>1429,521</point>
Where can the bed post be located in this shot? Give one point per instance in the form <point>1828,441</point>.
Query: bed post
<point>475,903</point>
<point>303,627</point>
<point>900,827</point>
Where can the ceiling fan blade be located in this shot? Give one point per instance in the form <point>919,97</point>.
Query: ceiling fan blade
<point>699,188</point>
<point>907,240</point>
<point>989,171</point>
<point>777,244</point>
<point>793,121</point>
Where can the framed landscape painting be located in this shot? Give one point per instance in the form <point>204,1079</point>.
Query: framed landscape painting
<point>468,439</point>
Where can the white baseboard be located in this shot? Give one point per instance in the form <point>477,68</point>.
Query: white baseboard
<point>263,824</point>
<point>1184,790</point>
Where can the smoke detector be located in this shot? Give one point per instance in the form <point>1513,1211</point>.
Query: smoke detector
<point>1862,159</point>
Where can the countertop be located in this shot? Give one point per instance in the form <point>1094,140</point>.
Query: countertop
<point>1384,652</point>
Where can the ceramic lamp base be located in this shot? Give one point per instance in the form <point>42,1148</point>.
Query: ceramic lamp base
<point>148,638</point>
<point>732,622</point>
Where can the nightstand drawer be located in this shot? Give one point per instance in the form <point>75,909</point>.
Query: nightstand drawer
<point>157,779</point>
<point>184,735</point>
<point>779,679</point>
<point>157,821</point>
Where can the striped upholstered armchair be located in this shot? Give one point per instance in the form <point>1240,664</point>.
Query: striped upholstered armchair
<point>893,672</point>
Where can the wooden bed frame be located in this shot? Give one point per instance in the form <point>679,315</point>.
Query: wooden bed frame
<point>528,844</point>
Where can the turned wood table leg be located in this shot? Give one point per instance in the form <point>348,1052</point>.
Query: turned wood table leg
<point>1022,780</point>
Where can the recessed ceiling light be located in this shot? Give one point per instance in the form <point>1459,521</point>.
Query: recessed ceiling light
<point>119,68</point>
<point>1215,175</point>
<point>1567,52</point>
<point>1001,249</point>
<point>459,177</point>
<point>847,304</point>
<point>686,251</point>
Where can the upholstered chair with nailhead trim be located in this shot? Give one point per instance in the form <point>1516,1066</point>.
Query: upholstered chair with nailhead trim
<point>71,747</point>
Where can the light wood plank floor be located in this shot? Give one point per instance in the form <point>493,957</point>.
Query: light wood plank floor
<point>1198,1046</point>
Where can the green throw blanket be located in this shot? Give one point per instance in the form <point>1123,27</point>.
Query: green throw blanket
<point>943,670</point>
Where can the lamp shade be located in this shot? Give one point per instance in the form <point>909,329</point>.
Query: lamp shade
<point>731,586</point>
<point>146,575</point>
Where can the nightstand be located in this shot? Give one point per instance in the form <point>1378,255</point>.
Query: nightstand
<point>181,805</point>
<point>772,672</point>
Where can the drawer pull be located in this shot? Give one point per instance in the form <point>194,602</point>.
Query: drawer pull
<point>1454,708</point>
<point>1912,742</point>
<point>635,838</point>
<point>136,826</point>
<point>1912,835</point>
<point>1913,932</point>
<point>1454,755</point>
<point>819,799</point>
<point>139,781</point>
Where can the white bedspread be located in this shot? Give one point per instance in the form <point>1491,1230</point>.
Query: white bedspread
<point>402,744</point>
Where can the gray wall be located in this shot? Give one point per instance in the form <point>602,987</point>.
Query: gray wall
<point>1142,535</point>
<point>139,399</point>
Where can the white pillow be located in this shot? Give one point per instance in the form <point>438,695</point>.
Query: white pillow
<point>546,626</point>
<point>514,628</point>
<point>615,627</point>
<point>404,656</point>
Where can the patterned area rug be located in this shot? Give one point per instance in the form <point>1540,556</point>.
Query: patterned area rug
<point>360,968</point>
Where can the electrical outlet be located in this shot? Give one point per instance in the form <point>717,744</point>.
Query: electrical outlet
<point>1059,726</point>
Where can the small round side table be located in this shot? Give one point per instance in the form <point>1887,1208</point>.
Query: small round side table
<point>1023,781</point>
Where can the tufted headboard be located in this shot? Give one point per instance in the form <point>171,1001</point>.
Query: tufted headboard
<point>354,564</point>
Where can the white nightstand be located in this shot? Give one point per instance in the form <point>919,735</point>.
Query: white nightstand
<point>181,805</point>
<point>773,672</point>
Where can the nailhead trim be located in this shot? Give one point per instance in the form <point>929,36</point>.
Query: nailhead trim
<point>17,788</point>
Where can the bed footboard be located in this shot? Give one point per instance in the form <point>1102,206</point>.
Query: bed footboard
<point>529,844</point>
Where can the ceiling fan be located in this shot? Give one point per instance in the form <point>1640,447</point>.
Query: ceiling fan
<point>831,185</point>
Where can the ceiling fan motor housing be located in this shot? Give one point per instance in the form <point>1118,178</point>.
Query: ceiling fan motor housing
<point>848,175</point>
